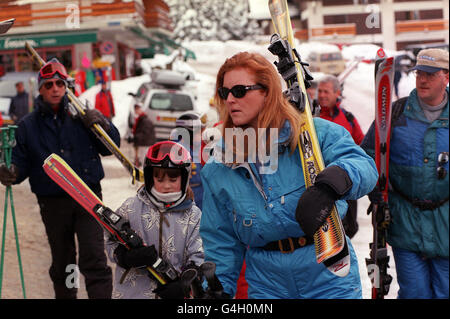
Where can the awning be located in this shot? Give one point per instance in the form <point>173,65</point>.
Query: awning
<point>173,44</point>
<point>155,46</point>
<point>47,40</point>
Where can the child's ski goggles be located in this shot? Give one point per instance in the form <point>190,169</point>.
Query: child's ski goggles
<point>176,153</point>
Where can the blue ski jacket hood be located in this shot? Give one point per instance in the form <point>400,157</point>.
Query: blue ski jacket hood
<point>244,210</point>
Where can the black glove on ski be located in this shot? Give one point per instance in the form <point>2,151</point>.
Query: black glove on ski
<point>135,257</point>
<point>94,116</point>
<point>375,196</point>
<point>315,204</point>
<point>8,175</point>
<point>171,290</point>
<point>216,295</point>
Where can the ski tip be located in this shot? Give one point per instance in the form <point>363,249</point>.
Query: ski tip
<point>381,54</point>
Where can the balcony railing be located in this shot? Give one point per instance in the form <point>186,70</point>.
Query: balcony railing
<point>55,12</point>
<point>421,25</point>
<point>329,31</point>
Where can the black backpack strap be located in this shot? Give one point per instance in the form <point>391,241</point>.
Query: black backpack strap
<point>397,108</point>
<point>349,116</point>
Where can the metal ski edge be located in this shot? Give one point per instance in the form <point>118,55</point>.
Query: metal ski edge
<point>279,10</point>
<point>98,131</point>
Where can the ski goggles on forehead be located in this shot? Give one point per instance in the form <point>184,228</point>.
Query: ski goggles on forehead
<point>51,68</point>
<point>238,91</point>
<point>175,152</point>
<point>442,160</point>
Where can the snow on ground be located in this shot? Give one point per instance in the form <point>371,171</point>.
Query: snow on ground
<point>358,96</point>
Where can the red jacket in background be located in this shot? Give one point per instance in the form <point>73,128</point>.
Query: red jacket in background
<point>104,103</point>
<point>344,118</point>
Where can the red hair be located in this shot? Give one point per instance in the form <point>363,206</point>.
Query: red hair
<point>276,109</point>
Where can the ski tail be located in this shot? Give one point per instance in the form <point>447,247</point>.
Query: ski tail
<point>378,263</point>
<point>330,242</point>
<point>77,108</point>
<point>6,24</point>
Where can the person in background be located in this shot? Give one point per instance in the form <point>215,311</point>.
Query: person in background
<point>20,104</point>
<point>104,101</point>
<point>329,98</point>
<point>143,133</point>
<point>194,123</point>
<point>419,183</point>
<point>50,129</point>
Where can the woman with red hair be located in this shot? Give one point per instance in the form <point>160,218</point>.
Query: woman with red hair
<point>256,207</point>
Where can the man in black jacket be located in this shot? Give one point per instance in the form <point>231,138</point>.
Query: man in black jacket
<point>19,104</point>
<point>50,129</point>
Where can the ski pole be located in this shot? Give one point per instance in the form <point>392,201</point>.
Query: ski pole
<point>8,142</point>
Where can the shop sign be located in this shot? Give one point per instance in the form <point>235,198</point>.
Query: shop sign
<point>18,42</point>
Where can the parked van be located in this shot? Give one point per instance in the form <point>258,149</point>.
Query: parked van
<point>326,62</point>
<point>164,100</point>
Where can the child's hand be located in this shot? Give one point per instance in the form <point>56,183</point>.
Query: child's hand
<point>172,290</point>
<point>135,257</point>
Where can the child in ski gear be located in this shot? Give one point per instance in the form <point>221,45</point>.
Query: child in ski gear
<point>143,133</point>
<point>329,98</point>
<point>51,129</point>
<point>419,186</point>
<point>252,209</point>
<point>163,214</point>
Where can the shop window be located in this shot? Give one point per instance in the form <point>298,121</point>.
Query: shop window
<point>7,62</point>
<point>63,56</point>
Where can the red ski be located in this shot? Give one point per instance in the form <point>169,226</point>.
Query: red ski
<point>63,175</point>
<point>378,262</point>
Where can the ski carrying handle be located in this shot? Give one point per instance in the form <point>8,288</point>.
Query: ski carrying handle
<point>55,167</point>
<point>329,240</point>
<point>99,132</point>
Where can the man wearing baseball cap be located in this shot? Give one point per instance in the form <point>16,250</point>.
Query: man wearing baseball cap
<point>51,129</point>
<point>419,181</point>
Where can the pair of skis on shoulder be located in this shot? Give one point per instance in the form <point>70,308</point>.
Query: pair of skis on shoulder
<point>63,175</point>
<point>330,242</point>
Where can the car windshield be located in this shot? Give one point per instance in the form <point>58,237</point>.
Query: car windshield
<point>171,101</point>
<point>8,88</point>
<point>334,56</point>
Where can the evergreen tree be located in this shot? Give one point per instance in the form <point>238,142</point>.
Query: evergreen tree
<point>212,20</point>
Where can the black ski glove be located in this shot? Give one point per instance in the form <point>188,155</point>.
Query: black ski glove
<point>315,204</point>
<point>94,116</point>
<point>135,257</point>
<point>171,290</point>
<point>375,196</point>
<point>8,175</point>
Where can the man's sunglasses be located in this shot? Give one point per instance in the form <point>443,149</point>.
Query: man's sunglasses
<point>49,84</point>
<point>238,91</point>
<point>442,160</point>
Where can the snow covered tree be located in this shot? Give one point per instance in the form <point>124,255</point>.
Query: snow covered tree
<point>212,20</point>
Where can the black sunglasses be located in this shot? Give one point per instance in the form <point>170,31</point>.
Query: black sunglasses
<point>238,91</point>
<point>59,83</point>
<point>442,160</point>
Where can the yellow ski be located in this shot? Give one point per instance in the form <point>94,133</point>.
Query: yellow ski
<point>330,243</point>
